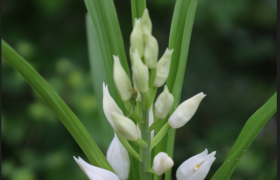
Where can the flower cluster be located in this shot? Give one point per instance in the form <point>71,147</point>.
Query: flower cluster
<point>148,73</point>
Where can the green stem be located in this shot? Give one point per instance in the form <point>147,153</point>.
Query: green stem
<point>160,134</point>
<point>146,136</point>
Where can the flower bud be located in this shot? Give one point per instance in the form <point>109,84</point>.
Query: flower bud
<point>93,172</point>
<point>136,38</point>
<point>151,121</point>
<point>122,81</point>
<point>146,22</point>
<point>109,105</point>
<point>140,73</point>
<point>196,167</point>
<point>162,162</point>
<point>151,50</point>
<point>185,111</point>
<point>124,126</point>
<point>163,103</point>
<point>118,158</point>
<point>163,67</point>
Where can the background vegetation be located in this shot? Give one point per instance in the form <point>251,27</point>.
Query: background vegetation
<point>232,59</point>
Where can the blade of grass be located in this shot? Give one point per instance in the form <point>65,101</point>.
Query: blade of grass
<point>137,8</point>
<point>249,132</point>
<point>63,112</point>
<point>98,77</point>
<point>109,37</point>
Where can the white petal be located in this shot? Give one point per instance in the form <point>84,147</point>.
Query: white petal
<point>118,158</point>
<point>162,162</point>
<point>203,170</point>
<point>95,173</point>
<point>186,169</point>
<point>109,105</point>
<point>185,111</point>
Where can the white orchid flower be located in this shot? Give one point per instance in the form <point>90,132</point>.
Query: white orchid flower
<point>196,167</point>
<point>118,158</point>
<point>95,173</point>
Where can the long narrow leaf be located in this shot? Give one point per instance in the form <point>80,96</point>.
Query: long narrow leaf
<point>249,132</point>
<point>184,50</point>
<point>109,37</point>
<point>98,76</point>
<point>63,112</point>
<point>137,8</point>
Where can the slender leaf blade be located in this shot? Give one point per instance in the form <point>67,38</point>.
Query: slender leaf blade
<point>63,112</point>
<point>137,8</point>
<point>178,81</point>
<point>249,132</point>
<point>109,37</point>
<point>98,77</point>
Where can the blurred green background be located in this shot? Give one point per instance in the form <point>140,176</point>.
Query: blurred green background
<point>232,59</point>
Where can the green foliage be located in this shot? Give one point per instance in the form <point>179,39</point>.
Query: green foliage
<point>64,113</point>
<point>232,42</point>
<point>250,131</point>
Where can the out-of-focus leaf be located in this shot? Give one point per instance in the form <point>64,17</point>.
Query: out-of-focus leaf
<point>137,8</point>
<point>109,39</point>
<point>249,132</point>
<point>98,77</point>
<point>64,113</point>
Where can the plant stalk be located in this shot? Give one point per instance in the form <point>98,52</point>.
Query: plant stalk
<point>146,136</point>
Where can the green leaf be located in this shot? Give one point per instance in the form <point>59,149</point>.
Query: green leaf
<point>249,132</point>
<point>180,37</point>
<point>63,112</point>
<point>98,77</point>
<point>109,39</point>
<point>137,8</point>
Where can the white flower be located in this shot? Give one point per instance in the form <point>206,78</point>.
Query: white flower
<point>140,73</point>
<point>95,173</point>
<point>109,105</point>
<point>136,38</point>
<point>162,162</point>
<point>124,126</point>
<point>146,22</point>
<point>118,158</point>
<point>185,111</point>
<point>151,121</point>
<point>122,81</point>
<point>163,103</point>
<point>196,167</point>
<point>151,50</point>
<point>163,67</point>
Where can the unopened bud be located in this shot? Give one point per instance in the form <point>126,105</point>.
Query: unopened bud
<point>122,81</point>
<point>185,111</point>
<point>93,172</point>
<point>136,38</point>
<point>146,22</point>
<point>163,67</point>
<point>140,73</point>
<point>125,126</point>
<point>196,167</point>
<point>118,158</point>
<point>109,105</point>
<point>162,162</point>
<point>163,103</point>
<point>151,50</point>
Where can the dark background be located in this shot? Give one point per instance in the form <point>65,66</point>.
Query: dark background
<point>232,59</point>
